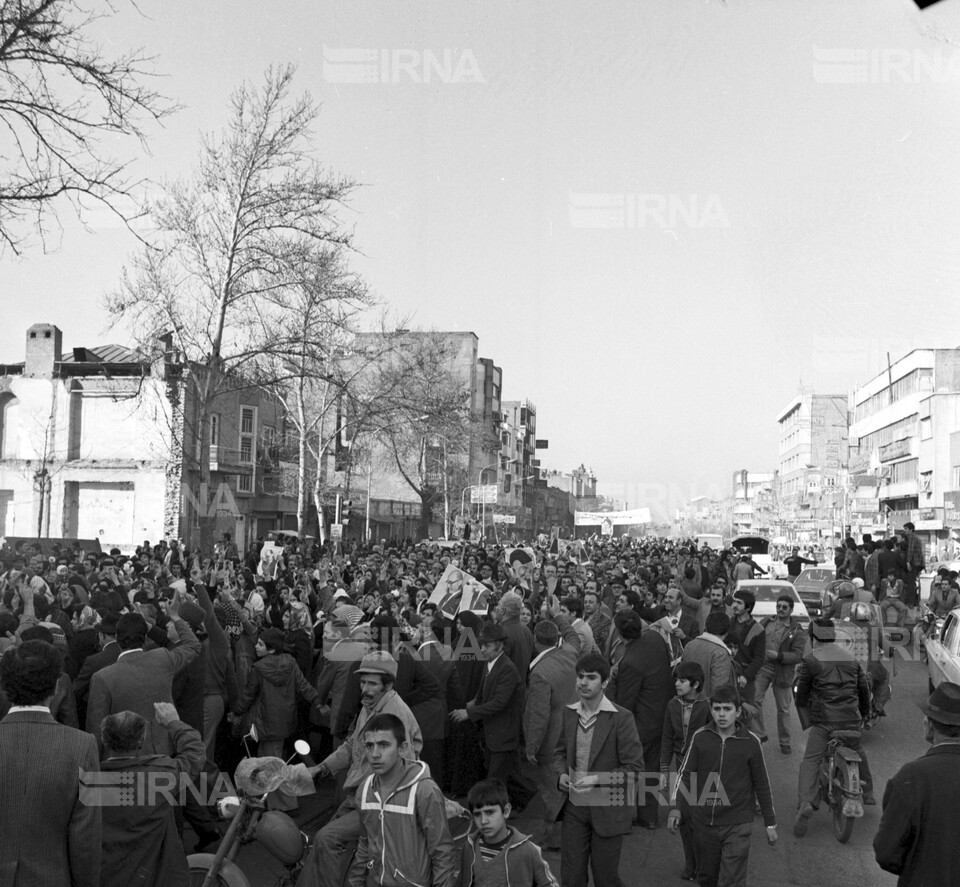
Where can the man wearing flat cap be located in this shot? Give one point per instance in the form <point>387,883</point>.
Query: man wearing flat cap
<point>498,707</point>
<point>916,840</point>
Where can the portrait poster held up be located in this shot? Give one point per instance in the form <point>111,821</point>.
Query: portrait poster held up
<point>457,591</point>
<point>523,563</point>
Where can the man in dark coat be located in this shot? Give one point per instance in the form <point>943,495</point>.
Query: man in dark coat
<point>140,841</point>
<point>914,840</point>
<point>498,707</point>
<point>643,685</point>
<point>50,831</point>
<point>109,651</point>
<point>438,660</point>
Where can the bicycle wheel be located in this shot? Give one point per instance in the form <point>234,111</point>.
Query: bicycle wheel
<point>842,775</point>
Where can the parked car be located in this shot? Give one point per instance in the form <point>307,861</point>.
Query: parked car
<point>767,591</point>
<point>812,585</point>
<point>943,655</point>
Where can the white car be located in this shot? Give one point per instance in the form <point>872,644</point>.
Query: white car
<point>767,591</point>
<point>943,655</point>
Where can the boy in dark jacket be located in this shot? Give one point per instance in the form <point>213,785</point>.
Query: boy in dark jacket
<point>686,713</point>
<point>272,688</point>
<point>722,777</point>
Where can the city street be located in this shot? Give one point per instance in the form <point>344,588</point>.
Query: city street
<point>817,860</point>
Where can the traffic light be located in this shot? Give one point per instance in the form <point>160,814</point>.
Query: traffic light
<point>345,511</point>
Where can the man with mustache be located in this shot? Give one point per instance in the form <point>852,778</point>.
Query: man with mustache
<point>335,843</point>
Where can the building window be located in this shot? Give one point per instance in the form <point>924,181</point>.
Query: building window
<point>247,424</point>
<point>214,430</point>
<point>244,483</point>
<point>956,477</point>
<point>904,471</point>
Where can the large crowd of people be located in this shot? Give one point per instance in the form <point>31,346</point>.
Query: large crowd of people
<point>595,688</point>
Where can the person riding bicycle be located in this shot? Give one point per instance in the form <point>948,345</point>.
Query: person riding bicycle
<point>833,686</point>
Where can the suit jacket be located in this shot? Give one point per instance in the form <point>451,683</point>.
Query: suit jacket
<point>518,646</point>
<point>914,840</point>
<point>499,705</point>
<point>49,836</point>
<point>614,749</point>
<point>643,684</point>
<point>91,665</point>
<point>137,680</point>
<point>552,686</point>
<point>713,656</point>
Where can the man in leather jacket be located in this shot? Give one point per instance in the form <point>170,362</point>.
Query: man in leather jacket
<point>833,685</point>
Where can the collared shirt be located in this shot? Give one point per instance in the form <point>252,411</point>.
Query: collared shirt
<point>134,650</point>
<point>16,708</point>
<point>540,655</point>
<point>586,721</point>
<point>493,662</point>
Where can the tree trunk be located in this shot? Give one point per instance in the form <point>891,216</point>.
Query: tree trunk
<point>202,436</point>
<point>302,494</point>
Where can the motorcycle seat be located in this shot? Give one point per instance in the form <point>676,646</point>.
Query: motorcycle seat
<point>844,735</point>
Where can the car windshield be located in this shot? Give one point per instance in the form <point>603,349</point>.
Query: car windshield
<point>751,545</point>
<point>816,576</point>
<point>768,593</point>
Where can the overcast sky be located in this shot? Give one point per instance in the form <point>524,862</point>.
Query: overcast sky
<point>661,218</point>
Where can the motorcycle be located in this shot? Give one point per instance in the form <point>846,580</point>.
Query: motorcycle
<point>251,821</point>
<point>840,786</point>
<point>928,626</point>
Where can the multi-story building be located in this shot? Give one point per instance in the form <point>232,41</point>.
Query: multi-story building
<point>812,431</point>
<point>905,449</point>
<point>751,491</point>
<point>97,443</point>
<point>393,508</point>
<point>519,466</point>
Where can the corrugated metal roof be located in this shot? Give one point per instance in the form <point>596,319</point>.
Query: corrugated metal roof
<point>108,354</point>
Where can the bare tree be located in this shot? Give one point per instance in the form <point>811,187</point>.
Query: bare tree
<point>430,431</point>
<point>313,369</point>
<point>256,219</point>
<point>60,94</point>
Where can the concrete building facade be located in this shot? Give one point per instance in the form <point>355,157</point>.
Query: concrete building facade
<point>904,463</point>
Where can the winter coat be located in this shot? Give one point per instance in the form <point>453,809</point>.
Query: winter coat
<point>915,840</point>
<point>273,685</point>
<point>140,841</point>
<point>792,646</point>
<point>831,682</point>
<point>404,837</point>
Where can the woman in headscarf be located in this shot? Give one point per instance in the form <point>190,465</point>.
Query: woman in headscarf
<point>299,636</point>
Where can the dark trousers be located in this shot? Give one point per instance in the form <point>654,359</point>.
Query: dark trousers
<point>432,755</point>
<point>582,846</point>
<point>648,805</point>
<point>505,766</point>
<point>722,854</point>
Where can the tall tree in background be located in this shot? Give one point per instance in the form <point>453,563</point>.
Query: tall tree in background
<point>257,218</point>
<point>62,99</point>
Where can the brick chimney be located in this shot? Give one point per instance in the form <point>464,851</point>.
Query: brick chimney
<point>44,343</point>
